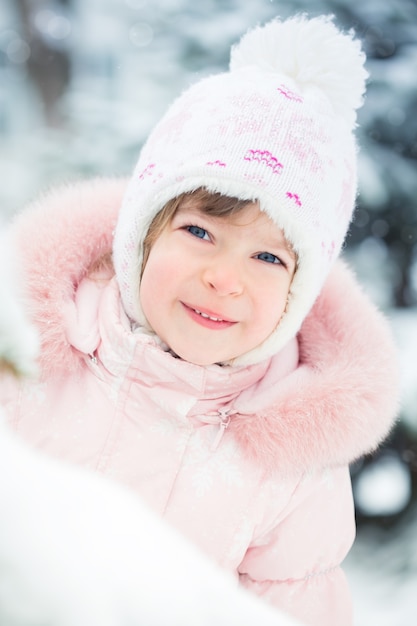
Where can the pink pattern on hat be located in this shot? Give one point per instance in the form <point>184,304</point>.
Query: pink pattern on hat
<point>147,171</point>
<point>245,115</point>
<point>217,162</point>
<point>237,125</point>
<point>266,157</point>
<point>295,197</point>
<point>170,129</point>
<point>329,249</point>
<point>150,172</point>
<point>290,95</point>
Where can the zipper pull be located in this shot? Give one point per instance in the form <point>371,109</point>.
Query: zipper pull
<point>224,423</point>
<point>92,360</point>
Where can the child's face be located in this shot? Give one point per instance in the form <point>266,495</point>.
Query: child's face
<point>214,288</point>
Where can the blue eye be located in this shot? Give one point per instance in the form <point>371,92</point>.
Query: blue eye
<point>197,231</point>
<point>267,257</point>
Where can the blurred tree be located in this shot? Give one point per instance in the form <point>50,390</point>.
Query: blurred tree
<point>391,141</point>
<point>45,25</point>
<point>387,204</point>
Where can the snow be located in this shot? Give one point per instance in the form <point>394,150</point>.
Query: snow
<point>382,572</point>
<point>384,487</point>
<point>404,324</point>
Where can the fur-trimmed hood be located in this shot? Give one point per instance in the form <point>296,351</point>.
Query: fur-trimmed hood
<point>342,400</point>
<point>336,406</point>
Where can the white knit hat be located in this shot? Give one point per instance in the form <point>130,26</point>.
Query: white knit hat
<point>278,128</point>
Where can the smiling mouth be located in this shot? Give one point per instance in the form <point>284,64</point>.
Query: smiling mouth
<point>210,320</point>
<point>209,317</point>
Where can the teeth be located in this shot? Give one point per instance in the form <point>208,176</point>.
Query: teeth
<point>209,317</point>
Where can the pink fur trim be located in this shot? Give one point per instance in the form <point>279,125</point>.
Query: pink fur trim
<point>59,237</point>
<point>342,400</point>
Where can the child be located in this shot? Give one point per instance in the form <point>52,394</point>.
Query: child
<point>230,369</point>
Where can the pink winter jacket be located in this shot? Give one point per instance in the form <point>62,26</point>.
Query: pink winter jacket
<point>250,463</point>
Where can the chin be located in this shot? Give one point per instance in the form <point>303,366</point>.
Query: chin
<point>200,362</point>
<point>201,359</point>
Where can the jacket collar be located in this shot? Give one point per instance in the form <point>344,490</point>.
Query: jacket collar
<point>152,365</point>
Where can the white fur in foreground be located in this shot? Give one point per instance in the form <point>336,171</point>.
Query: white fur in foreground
<point>77,550</point>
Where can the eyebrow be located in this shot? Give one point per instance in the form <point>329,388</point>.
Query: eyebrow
<point>282,242</point>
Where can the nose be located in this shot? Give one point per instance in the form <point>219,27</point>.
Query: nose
<point>224,276</point>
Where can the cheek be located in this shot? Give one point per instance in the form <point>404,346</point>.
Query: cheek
<point>271,306</point>
<point>150,283</point>
<point>158,278</point>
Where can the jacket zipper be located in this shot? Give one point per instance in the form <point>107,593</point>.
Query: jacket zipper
<point>93,363</point>
<point>225,416</point>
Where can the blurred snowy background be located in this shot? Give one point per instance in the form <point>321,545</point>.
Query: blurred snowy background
<point>83,81</point>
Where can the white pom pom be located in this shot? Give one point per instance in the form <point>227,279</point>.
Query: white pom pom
<point>311,52</point>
